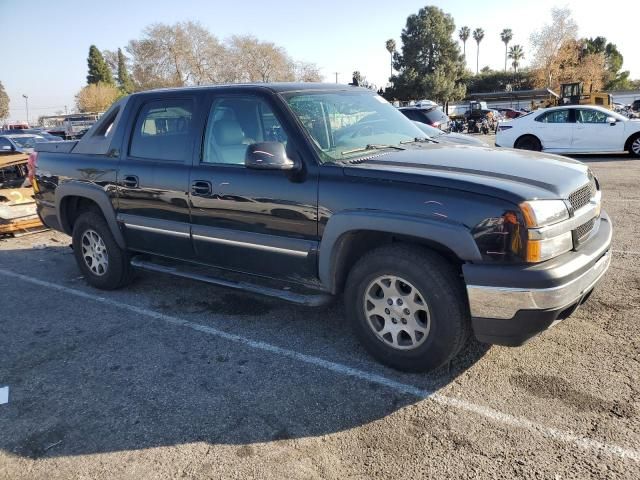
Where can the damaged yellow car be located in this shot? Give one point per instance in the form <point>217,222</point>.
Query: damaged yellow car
<point>17,206</point>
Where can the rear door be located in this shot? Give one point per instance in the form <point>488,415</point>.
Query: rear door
<point>594,134</point>
<point>555,129</point>
<point>254,221</point>
<point>153,176</point>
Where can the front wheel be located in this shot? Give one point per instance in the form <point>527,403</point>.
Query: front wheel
<point>634,146</point>
<point>102,262</point>
<point>408,308</point>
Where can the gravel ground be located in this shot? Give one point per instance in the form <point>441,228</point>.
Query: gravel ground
<point>176,379</point>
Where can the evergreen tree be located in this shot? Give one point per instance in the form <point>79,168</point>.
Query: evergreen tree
<point>124,79</point>
<point>430,65</point>
<point>4,103</point>
<point>98,69</point>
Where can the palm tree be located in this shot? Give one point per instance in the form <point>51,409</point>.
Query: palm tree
<point>516,53</point>
<point>464,36</point>
<point>478,35</point>
<point>391,48</point>
<point>506,36</point>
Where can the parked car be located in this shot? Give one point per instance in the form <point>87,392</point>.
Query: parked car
<point>510,112</point>
<point>571,129</point>
<point>431,116</point>
<point>449,137</point>
<point>425,241</point>
<point>23,143</point>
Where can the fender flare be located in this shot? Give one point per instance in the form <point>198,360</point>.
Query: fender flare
<point>454,236</point>
<point>96,194</point>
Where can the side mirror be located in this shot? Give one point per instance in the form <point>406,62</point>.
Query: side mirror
<point>611,120</point>
<point>268,156</point>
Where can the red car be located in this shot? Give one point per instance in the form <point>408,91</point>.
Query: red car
<point>510,112</point>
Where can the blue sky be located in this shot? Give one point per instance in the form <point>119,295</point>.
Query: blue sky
<point>45,43</point>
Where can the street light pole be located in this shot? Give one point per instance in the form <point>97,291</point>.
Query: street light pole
<point>26,102</point>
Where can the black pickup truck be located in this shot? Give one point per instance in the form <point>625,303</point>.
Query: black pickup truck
<point>308,191</point>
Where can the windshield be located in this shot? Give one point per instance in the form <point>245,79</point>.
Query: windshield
<point>428,130</point>
<point>26,142</point>
<point>344,124</point>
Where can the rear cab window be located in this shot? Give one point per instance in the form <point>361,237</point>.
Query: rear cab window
<point>163,130</point>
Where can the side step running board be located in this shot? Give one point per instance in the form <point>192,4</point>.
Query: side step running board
<point>309,300</point>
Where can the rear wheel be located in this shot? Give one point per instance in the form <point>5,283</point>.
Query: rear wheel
<point>634,146</point>
<point>103,263</point>
<point>407,306</point>
<point>528,142</point>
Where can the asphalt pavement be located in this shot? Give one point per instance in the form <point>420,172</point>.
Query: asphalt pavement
<point>171,378</point>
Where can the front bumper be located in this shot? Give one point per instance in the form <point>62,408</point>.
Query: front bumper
<point>510,304</point>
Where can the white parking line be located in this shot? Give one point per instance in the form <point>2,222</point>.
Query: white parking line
<point>4,395</point>
<point>494,415</point>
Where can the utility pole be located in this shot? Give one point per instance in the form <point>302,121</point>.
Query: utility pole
<point>26,102</point>
<point>65,110</point>
<point>336,76</point>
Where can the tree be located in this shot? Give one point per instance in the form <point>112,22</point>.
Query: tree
<point>614,78</point>
<point>391,48</point>
<point>306,72</point>
<point>257,61</point>
<point>506,36</point>
<point>548,42</point>
<point>463,34</point>
<point>478,35</point>
<point>4,103</point>
<point>98,69</point>
<point>430,65</point>
<point>516,53</point>
<point>499,81</point>
<point>124,79</point>
<point>96,97</point>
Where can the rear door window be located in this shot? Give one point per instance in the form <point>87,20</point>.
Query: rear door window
<point>163,130</point>
<point>555,116</point>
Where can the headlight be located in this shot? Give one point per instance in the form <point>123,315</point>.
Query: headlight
<point>538,213</point>
<point>541,250</point>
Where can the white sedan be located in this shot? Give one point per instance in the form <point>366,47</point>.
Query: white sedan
<point>571,129</point>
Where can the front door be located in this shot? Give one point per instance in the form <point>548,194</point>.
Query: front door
<point>593,133</point>
<point>254,221</point>
<point>153,176</point>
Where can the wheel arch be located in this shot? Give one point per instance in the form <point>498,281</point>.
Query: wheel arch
<point>532,135</point>
<point>350,235</point>
<point>72,198</point>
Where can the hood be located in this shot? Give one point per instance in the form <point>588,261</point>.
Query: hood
<point>514,175</point>
<point>461,138</point>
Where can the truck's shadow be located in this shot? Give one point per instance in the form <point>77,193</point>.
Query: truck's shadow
<point>88,378</point>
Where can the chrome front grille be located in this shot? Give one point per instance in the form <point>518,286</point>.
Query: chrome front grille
<point>584,230</point>
<point>577,200</point>
<point>582,196</point>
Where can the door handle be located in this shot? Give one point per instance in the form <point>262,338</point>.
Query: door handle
<point>130,181</point>
<point>201,188</point>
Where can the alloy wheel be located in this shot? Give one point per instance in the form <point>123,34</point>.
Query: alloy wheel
<point>397,312</point>
<point>94,252</point>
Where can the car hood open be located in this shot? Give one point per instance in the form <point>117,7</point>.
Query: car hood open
<point>514,175</point>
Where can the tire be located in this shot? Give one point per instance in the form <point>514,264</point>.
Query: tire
<point>634,146</point>
<point>528,142</point>
<point>105,265</point>
<point>440,322</point>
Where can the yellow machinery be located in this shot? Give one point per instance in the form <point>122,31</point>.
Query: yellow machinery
<point>573,94</point>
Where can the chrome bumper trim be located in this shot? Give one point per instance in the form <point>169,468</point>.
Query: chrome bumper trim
<point>504,303</point>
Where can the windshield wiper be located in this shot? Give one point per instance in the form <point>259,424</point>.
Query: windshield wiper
<point>372,146</point>
<point>419,140</point>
